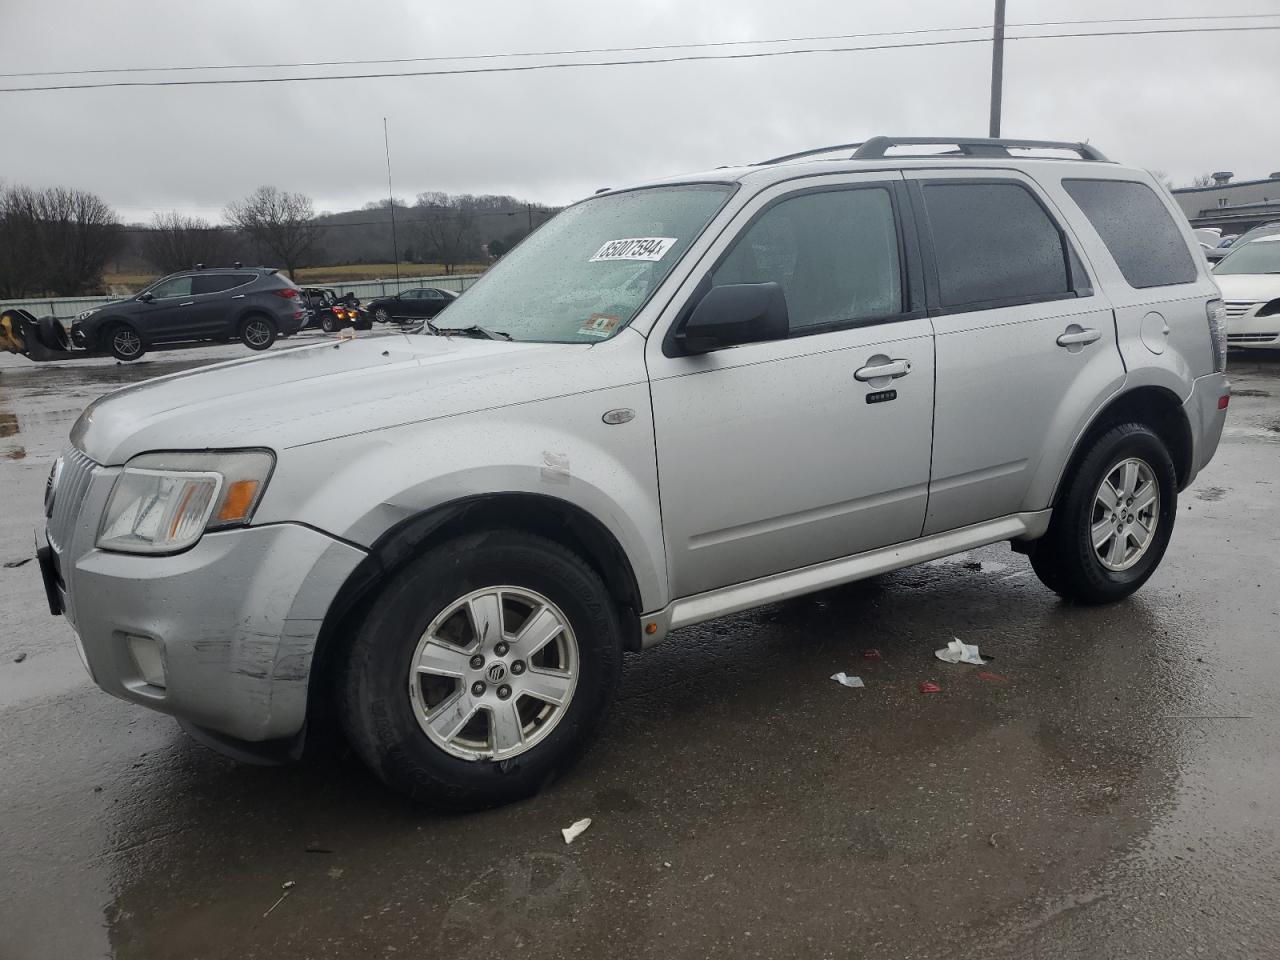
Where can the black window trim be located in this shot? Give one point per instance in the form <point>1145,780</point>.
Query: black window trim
<point>1079,290</point>
<point>1195,273</point>
<point>910,279</point>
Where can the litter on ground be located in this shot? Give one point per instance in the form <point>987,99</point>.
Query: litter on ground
<point>930,687</point>
<point>844,679</point>
<point>871,655</point>
<point>574,830</point>
<point>993,677</point>
<point>957,652</point>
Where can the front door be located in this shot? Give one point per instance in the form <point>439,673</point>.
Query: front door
<point>776,455</point>
<point>167,313</point>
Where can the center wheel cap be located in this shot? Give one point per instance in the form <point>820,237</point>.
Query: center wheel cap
<point>496,673</point>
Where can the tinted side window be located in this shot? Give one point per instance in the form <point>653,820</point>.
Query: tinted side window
<point>994,244</point>
<point>177,287</point>
<point>1136,227</point>
<point>215,282</point>
<point>834,253</point>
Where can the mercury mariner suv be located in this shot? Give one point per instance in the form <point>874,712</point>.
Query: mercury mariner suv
<point>672,402</point>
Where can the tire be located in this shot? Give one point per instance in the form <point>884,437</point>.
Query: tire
<point>53,334</point>
<point>475,766</point>
<point>1066,559</point>
<point>327,323</point>
<point>124,342</point>
<point>381,315</point>
<point>258,332</point>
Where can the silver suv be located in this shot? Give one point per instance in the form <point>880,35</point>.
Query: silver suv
<point>670,403</point>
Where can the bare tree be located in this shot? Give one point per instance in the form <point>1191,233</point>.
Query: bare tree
<point>176,242</point>
<point>446,229</point>
<point>1162,178</point>
<point>282,223</point>
<point>1203,180</point>
<point>54,241</point>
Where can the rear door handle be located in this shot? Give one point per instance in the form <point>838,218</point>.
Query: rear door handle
<point>891,368</point>
<point>1076,335</point>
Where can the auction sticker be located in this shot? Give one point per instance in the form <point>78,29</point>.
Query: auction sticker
<point>599,325</point>
<point>634,248</point>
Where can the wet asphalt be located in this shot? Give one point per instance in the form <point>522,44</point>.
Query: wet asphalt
<point>1108,786</point>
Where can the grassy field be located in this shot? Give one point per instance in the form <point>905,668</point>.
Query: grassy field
<point>319,275</point>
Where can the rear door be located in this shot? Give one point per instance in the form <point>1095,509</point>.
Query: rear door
<point>211,314</point>
<point>776,455</point>
<point>1026,345</point>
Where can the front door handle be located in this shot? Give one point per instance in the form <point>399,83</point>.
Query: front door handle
<point>1078,336</point>
<point>189,303</point>
<point>885,368</point>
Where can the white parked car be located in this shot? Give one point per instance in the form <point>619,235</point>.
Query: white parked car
<point>1249,277</point>
<point>670,403</point>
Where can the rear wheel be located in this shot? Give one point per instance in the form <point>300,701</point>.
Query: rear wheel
<point>381,315</point>
<point>257,332</point>
<point>124,342</point>
<point>1111,528</point>
<point>482,670</point>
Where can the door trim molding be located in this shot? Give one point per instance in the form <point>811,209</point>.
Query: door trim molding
<point>793,583</point>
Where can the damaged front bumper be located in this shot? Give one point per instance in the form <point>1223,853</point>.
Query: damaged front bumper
<point>220,636</point>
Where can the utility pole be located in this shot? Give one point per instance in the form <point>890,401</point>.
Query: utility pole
<point>997,69</point>
<point>395,249</point>
<point>529,209</point>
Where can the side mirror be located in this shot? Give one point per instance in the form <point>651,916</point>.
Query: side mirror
<point>146,298</point>
<point>736,313</point>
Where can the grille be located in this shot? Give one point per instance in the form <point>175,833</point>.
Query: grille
<point>73,484</point>
<point>1238,308</point>
<point>1251,337</point>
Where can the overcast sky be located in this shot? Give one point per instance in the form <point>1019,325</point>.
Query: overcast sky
<point>1184,104</point>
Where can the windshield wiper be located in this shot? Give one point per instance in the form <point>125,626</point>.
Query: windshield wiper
<point>475,330</point>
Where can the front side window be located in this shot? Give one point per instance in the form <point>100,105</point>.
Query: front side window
<point>1135,225</point>
<point>834,253</point>
<point>175,287</point>
<point>585,274</point>
<point>994,244</point>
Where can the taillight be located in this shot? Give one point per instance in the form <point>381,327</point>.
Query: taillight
<point>287,293</point>
<point>1216,313</point>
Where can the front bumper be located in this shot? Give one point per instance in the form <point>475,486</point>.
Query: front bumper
<point>235,619</point>
<point>1246,329</point>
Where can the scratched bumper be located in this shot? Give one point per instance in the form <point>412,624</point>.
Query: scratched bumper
<point>236,617</point>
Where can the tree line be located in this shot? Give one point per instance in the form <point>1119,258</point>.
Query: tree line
<point>59,241</point>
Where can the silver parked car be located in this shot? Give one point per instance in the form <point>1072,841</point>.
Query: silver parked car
<point>670,403</point>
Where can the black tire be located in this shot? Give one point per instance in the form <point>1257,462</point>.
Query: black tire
<point>381,315</point>
<point>377,710</point>
<point>124,342</point>
<point>1065,559</point>
<point>258,332</point>
<point>329,323</point>
<point>53,334</point>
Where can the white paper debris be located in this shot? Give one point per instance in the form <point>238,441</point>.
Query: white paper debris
<point>957,652</point>
<point>845,680</point>
<point>572,832</point>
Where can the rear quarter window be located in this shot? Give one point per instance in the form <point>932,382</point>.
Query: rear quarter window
<point>1137,229</point>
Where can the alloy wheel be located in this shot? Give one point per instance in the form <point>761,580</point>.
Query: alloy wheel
<point>494,673</point>
<point>257,333</point>
<point>1126,511</point>
<point>126,342</point>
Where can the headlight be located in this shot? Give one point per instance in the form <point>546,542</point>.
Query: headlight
<point>164,502</point>
<point>87,314</point>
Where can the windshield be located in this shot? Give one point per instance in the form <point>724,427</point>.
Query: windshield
<point>1257,256</point>
<point>583,276</point>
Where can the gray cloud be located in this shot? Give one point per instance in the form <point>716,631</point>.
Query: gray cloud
<point>1184,104</point>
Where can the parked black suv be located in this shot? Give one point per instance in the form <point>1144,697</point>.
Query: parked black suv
<point>254,304</point>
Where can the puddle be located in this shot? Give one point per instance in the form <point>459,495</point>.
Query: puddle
<point>1250,393</point>
<point>8,424</point>
<point>17,453</point>
<point>1210,493</point>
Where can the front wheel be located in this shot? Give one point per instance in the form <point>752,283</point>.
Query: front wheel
<point>257,333</point>
<point>381,315</point>
<point>1113,523</point>
<point>125,342</point>
<point>482,670</point>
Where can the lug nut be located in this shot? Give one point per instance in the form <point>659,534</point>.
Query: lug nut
<point>504,692</point>
<point>477,688</point>
<point>477,662</point>
<point>501,648</point>
<point>518,667</point>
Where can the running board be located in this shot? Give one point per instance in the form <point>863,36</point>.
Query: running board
<point>830,573</point>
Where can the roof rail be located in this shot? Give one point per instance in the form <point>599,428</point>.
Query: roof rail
<point>877,147</point>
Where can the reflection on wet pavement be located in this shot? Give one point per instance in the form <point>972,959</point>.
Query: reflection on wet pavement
<point>1114,796</point>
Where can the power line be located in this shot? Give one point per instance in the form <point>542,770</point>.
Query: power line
<point>640,49</point>
<point>526,68</point>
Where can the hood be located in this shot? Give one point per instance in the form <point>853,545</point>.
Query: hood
<point>1248,286</point>
<point>290,397</point>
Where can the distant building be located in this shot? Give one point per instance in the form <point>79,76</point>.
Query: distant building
<point>1235,207</point>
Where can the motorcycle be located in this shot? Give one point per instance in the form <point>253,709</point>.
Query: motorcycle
<point>345,313</point>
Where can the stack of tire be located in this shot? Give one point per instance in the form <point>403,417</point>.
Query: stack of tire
<point>43,339</point>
